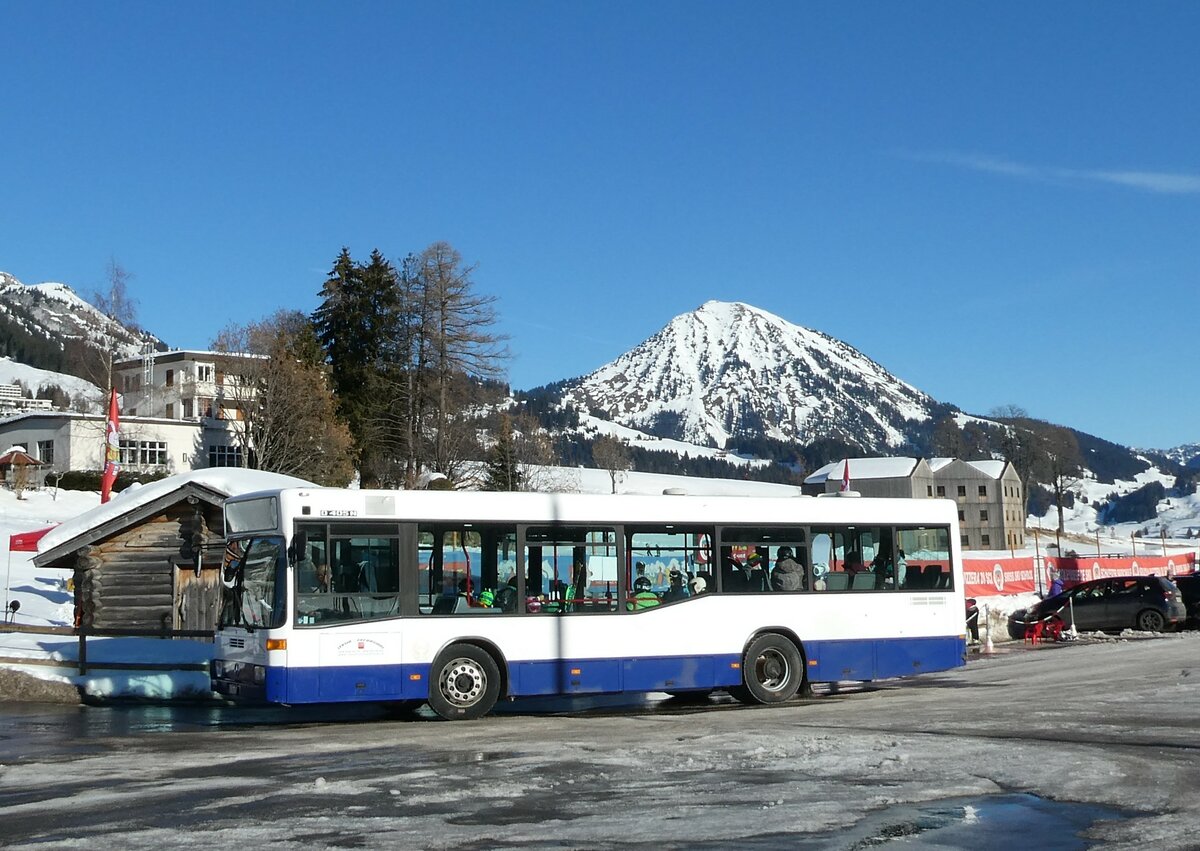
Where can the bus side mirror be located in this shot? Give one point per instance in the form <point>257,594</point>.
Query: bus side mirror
<point>298,551</point>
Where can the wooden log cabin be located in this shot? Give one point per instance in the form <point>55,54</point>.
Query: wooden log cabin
<point>157,564</point>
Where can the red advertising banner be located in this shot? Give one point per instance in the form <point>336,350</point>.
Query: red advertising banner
<point>1076,570</point>
<point>992,577</point>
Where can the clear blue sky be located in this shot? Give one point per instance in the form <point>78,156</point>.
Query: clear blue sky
<point>998,202</point>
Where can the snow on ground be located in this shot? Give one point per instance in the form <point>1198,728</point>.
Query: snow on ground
<point>940,761</point>
<point>1177,516</point>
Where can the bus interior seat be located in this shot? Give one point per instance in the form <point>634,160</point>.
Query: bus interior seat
<point>837,581</point>
<point>863,581</point>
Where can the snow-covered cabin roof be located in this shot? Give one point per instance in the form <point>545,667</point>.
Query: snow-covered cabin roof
<point>865,468</point>
<point>212,485</point>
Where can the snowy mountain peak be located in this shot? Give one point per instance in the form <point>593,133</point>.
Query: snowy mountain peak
<point>728,369</point>
<point>55,313</point>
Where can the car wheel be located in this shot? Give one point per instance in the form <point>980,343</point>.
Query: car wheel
<point>466,683</point>
<point>772,671</point>
<point>1151,620</point>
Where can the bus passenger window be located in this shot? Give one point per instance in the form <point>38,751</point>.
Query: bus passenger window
<point>360,579</point>
<point>923,562</point>
<point>570,570</point>
<point>667,564</point>
<point>852,558</point>
<point>467,569</point>
<point>764,559</point>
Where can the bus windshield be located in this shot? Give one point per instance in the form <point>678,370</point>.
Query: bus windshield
<point>255,588</point>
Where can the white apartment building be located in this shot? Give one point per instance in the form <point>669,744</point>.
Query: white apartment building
<point>180,385</point>
<point>178,412</point>
<point>12,401</point>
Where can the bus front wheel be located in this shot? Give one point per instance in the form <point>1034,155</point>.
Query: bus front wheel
<point>772,671</point>
<point>466,683</point>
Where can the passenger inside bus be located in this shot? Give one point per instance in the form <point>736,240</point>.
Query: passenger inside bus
<point>677,590</point>
<point>312,574</point>
<point>643,595</point>
<point>577,592</point>
<point>788,574</point>
<point>756,572</point>
<point>506,597</point>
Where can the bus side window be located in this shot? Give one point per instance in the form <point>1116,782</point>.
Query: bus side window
<point>764,559</point>
<point>924,563</point>
<point>570,570</point>
<point>468,569</point>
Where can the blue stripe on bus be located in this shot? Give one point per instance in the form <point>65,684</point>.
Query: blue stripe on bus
<point>827,661</point>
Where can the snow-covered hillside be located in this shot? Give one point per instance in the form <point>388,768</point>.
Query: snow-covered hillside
<point>82,392</point>
<point>1178,516</point>
<point>729,368</point>
<point>54,314</point>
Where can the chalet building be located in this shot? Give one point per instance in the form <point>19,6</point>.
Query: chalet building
<point>178,412</point>
<point>991,502</point>
<point>989,494</point>
<point>150,558</point>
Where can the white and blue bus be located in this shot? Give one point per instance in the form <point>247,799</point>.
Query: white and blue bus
<point>462,599</point>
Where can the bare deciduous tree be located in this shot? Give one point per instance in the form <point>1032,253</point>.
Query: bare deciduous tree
<point>1062,454</point>
<point>1019,444</point>
<point>457,323</point>
<point>612,455</point>
<point>538,459</point>
<point>114,302</point>
<point>286,420</point>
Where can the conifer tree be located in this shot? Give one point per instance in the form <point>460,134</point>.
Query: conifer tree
<point>411,353</point>
<point>503,473</point>
<point>354,322</point>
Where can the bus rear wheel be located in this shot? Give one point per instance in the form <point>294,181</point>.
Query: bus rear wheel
<point>772,671</point>
<point>466,683</point>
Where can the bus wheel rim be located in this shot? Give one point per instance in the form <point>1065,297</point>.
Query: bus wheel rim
<point>772,670</point>
<point>463,682</point>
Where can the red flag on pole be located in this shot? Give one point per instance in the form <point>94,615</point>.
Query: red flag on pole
<point>846,476</point>
<point>26,542</point>
<point>112,450</point>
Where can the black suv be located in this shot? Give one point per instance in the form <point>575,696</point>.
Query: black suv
<point>1189,587</point>
<point>1145,603</point>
